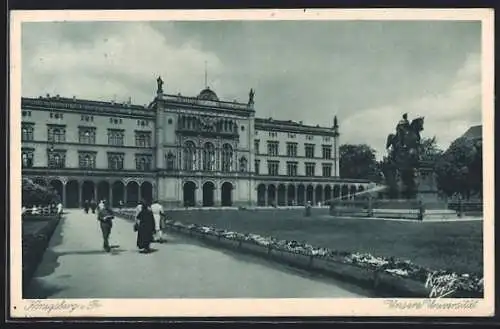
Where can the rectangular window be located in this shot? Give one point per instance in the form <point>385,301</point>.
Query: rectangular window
<point>291,168</point>
<point>115,160</point>
<point>142,138</point>
<point>272,148</point>
<point>291,135</point>
<point>87,160</point>
<point>257,167</point>
<point>309,150</point>
<point>115,137</point>
<point>327,170</point>
<point>257,146</point>
<point>143,162</point>
<point>327,152</point>
<point>56,158</point>
<point>86,135</point>
<point>56,133</point>
<point>27,157</point>
<point>27,131</point>
<point>310,169</point>
<point>273,168</point>
<point>291,149</point>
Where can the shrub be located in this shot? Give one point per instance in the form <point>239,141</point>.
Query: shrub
<point>35,194</point>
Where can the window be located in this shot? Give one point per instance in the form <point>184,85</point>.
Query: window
<point>115,121</point>
<point>56,134</point>
<point>170,121</point>
<point>291,135</point>
<point>56,159</point>
<point>143,138</point>
<point>115,160</point>
<point>27,158</point>
<point>143,162</point>
<point>272,148</point>
<point>143,123</point>
<point>189,156</point>
<point>273,168</point>
<point>309,150</point>
<point>242,128</point>
<point>326,138</point>
<point>243,164</point>
<point>273,134</point>
<point>86,160</point>
<point>291,149</point>
<point>291,168</point>
<point>56,115</point>
<point>256,146</point>
<point>27,131</point>
<point>327,170</point>
<point>227,157</point>
<point>88,118</point>
<point>327,151</point>
<point>309,137</point>
<point>310,168</point>
<point>26,113</point>
<point>209,157</point>
<point>115,137</point>
<point>257,167</point>
<point>170,161</point>
<point>86,135</point>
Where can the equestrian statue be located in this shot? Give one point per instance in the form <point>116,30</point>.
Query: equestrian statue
<point>404,149</point>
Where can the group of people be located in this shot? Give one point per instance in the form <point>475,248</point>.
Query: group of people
<point>148,224</point>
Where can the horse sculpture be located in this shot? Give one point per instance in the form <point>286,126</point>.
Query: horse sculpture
<point>406,141</point>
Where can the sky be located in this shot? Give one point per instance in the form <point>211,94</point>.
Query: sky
<point>367,73</point>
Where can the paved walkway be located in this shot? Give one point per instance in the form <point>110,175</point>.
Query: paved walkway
<point>74,266</point>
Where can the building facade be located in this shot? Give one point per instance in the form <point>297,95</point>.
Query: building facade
<point>184,151</point>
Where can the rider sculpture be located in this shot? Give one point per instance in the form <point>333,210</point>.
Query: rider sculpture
<point>406,141</point>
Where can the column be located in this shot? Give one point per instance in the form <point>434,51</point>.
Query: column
<point>110,201</point>
<point>323,195</point>
<point>95,192</point>
<point>125,197</point>
<point>63,201</point>
<point>265,196</point>
<point>295,199</point>
<point>140,192</point>
<point>217,196</point>
<point>80,194</point>
<point>199,196</point>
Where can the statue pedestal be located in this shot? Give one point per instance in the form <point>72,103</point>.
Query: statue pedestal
<point>426,185</point>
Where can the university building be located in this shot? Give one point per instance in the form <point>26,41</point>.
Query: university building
<point>184,151</point>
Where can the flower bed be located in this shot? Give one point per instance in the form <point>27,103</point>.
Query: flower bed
<point>385,274</point>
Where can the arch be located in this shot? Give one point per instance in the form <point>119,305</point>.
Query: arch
<point>336,192</point>
<point>301,190</point>
<point>291,195</point>
<point>72,194</point>
<point>281,195</point>
<point>189,156</point>
<point>208,194</point>
<point>118,191</point>
<point>261,195</point>
<point>328,193</point>
<point>361,188</point>
<point>103,191</point>
<point>227,157</point>
<point>310,194</point>
<point>271,195</point>
<point>318,194</point>
<point>344,191</point>
<point>208,156</point>
<point>132,194</point>
<point>189,194</point>
<point>147,191</point>
<point>352,191</point>
<point>88,191</point>
<point>57,185</point>
<point>170,159</point>
<point>226,194</point>
<point>243,164</point>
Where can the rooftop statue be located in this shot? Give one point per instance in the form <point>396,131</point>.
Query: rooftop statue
<point>251,96</point>
<point>159,82</point>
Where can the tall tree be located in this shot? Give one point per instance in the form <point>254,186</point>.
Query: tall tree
<point>429,149</point>
<point>459,169</point>
<point>358,161</point>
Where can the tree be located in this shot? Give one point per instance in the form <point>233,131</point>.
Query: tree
<point>429,150</point>
<point>34,194</point>
<point>358,161</point>
<point>459,169</point>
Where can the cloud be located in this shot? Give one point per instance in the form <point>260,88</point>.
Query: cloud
<point>119,63</point>
<point>448,113</point>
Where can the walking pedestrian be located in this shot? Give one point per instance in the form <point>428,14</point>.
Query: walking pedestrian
<point>93,206</point>
<point>158,213</point>
<point>59,209</point>
<point>105,217</point>
<point>145,225</point>
<point>86,206</point>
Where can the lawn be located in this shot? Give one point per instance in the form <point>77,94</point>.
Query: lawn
<point>456,246</point>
